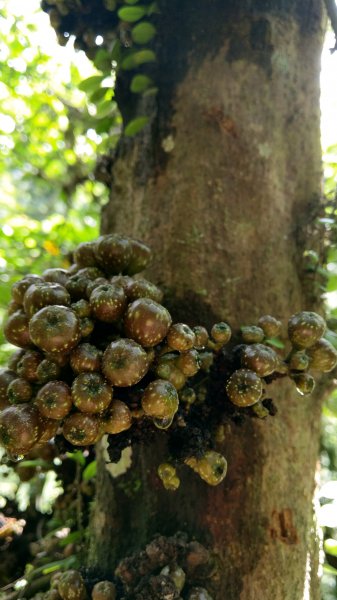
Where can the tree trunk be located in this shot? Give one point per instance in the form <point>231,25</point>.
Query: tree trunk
<point>224,185</point>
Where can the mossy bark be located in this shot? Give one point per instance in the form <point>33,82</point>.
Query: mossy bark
<point>224,184</point>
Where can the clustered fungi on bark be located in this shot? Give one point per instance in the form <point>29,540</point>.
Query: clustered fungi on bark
<point>99,354</point>
<point>169,568</point>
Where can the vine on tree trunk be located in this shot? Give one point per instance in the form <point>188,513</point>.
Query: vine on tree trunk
<point>118,35</point>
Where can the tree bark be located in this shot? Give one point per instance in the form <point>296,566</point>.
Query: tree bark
<point>224,185</point>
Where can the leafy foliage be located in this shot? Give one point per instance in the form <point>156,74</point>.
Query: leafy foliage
<point>328,493</point>
<point>121,41</point>
<point>51,130</point>
<point>49,127</point>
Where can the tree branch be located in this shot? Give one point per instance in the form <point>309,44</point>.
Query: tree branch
<point>332,14</point>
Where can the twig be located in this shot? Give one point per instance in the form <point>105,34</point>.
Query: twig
<point>35,586</point>
<point>332,14</point>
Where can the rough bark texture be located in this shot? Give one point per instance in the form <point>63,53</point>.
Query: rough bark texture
<point>224,185</point>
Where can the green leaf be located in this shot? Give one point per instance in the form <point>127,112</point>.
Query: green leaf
<point>151,91</point>
<point>90,471</point>
<point>104,125</point>
<point>104,109</point>
<point>116,52</point>
<point>28,568</point>
<point>330,546</point>
<point>102,61</point>
<point>140,83</point>
<point>332,254</point>
<point>131,1</point>
<point>329,569</point>
<point>153,9</point>
<point>331,406</point>
<point>65,564</point>
<point>332,149</point>
<point>129,62</point>
<point>135,59</point>
<point>331,336</point>
<point>325,274</point>
<point>135,126</point>
<point>74,536</point>
<point>143,32</point>
<point>274,342</point>
<point>51,568</point>
<point>37,462</point>
<point>332,283</point>
<point>333,313</point>
<point>98,95</point>
<point>332,323</point>
<point>131,14</point>
<point>91,83</point>
<point>77,457</point>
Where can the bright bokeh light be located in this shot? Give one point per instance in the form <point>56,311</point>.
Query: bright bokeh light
<point>45,37</point>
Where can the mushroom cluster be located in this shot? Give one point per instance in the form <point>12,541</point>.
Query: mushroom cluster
<point>309,351</point>
<point>88,335</point>
<point>169,568</point>
<point>99,354</point>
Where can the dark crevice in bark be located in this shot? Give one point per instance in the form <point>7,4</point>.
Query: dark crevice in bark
<point>252,39</point>
<point>199,312</point>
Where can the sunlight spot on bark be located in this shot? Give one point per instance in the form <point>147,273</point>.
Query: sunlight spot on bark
<point>264,150</point>
<point>307,579</point>
<point>168,143</point>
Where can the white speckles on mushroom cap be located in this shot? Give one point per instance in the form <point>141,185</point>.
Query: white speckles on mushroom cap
<point>125,362</point>
<point>305,328</point>
<point>147,322</point>
<point>244,387</point>
<point>55,329</point>
<point>160,399</point>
